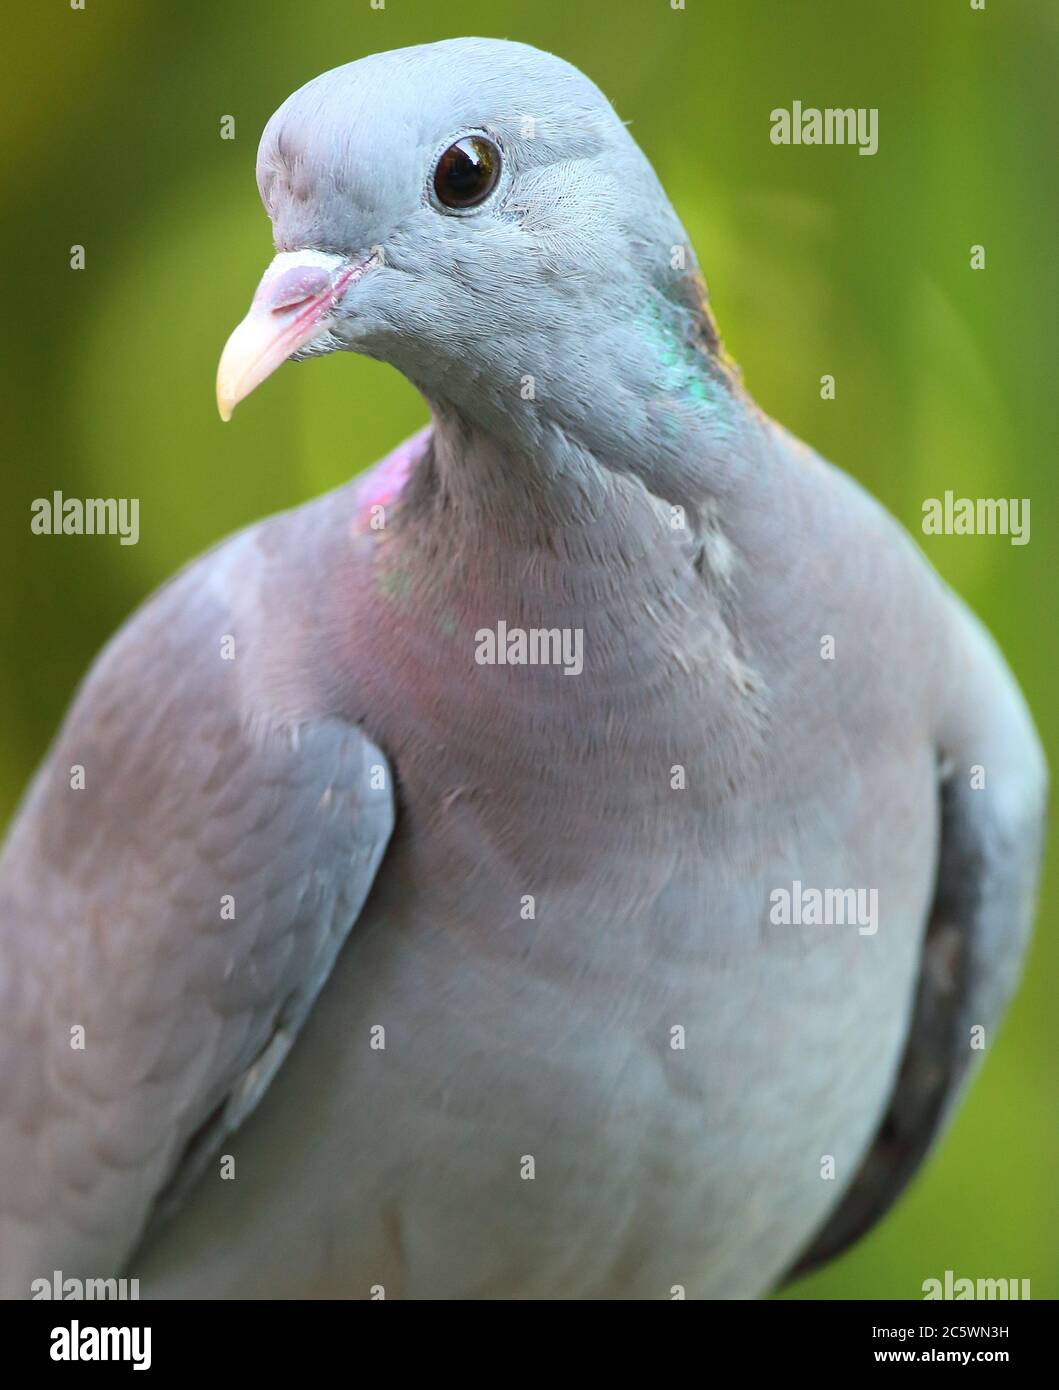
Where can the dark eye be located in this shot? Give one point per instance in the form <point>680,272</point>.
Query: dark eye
<point>467,172</point>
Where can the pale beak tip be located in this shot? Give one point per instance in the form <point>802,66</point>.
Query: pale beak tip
<point>289,311</point>
<point>227,399</point>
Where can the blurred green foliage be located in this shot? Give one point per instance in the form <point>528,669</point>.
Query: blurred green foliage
<point>818,260</point>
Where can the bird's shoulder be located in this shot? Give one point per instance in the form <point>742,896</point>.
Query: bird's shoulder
<point>175,887</point>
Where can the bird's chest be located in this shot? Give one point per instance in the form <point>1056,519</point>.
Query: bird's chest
<point>591,1026</point>
<point>572,933</point>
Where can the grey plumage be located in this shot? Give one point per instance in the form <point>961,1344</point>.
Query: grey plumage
<point>646,808</point>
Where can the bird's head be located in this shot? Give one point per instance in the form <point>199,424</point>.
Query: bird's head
<point>474,213</point>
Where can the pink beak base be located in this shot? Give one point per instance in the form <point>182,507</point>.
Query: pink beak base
<point>290,310</point>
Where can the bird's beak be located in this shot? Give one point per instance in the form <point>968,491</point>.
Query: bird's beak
<point>290,311</point>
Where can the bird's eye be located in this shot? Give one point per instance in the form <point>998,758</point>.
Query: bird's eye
<point>467,172</point>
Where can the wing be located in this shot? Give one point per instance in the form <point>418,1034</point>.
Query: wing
<point>993,787</point>
<point>173,895</point>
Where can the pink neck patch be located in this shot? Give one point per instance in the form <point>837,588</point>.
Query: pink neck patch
<point>381,485</point>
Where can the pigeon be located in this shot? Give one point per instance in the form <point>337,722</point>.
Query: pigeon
<point>581,857</point>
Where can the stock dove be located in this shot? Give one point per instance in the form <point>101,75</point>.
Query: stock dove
<point>436,917</point>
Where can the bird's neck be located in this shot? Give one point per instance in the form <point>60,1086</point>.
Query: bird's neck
<point>530,476</point>
<point>571,499</point>
<point>485,543</point>
<point>628,553</point>
<point>485,517</point>
<point>534,431</point>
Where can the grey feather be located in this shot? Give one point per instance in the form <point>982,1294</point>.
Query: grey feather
<point>582,865</point>
<point>199,785</point>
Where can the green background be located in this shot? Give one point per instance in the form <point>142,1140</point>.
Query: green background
<point>819,261</point>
